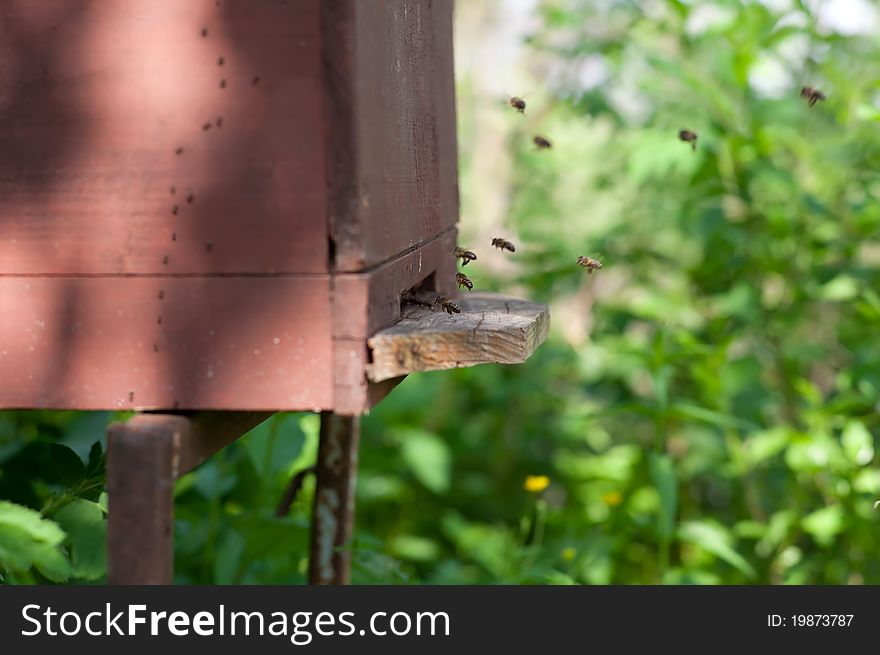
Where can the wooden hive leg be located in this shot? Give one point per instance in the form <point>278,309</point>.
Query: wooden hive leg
<point>140,484</point>
<point>144,458</point>
<point>333,515</point>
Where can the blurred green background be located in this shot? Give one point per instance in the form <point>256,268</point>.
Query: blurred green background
<point>705,409</point>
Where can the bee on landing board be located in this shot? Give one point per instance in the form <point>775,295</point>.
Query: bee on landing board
<point>465,255</point>
<point>812,94</point>
<point>689,137</point>
<point>541,143</point>
<point>517,103</point>
<point>464,281</point>
<point>447,305</point>
<point>589,263</point>
<point>503,244</point>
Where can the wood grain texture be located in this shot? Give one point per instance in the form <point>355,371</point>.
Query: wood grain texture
<point>97,97</point>
<point>166,343</point>
<point>491,328</point>
<point>394,161</point>
<point>140,486</point>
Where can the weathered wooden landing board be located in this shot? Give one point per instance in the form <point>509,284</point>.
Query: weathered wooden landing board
<point>491,328</point>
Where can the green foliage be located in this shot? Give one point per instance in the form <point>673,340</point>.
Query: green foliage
<point>706,404</point>
<point>53,521</point>
<point>226,530</point>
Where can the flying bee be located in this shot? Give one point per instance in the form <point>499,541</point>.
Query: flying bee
<point>812,94</point>
<point>541,143</point>
<point>464,281</point>
<point>447,305</point>
<point>465,255</point>
<point>517,103</point>
<point>589,263</point>
<point>503,244</point>
<point>689,137</point>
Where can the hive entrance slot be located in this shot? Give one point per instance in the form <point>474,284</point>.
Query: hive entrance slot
<point>421,295</point>
<point>331,252</point>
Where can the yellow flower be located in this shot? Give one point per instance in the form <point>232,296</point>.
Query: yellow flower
<point>612,498</point>
<point>568,554</point>
<point>536,483</point>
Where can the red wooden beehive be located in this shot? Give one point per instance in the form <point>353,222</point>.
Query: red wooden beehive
<point>212,204</point>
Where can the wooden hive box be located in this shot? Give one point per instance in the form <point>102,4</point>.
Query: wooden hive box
<point>212,204</point>
<point>218,205</point>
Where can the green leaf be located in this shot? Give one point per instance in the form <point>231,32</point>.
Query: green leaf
<point>68,468</point>
<point>666,482</point>
<point>227,562</point>
<point>413,547</point>
<point>765,445</point>
<point>710,416</point>
<point>491,546</point>
<point>27,539</point>
<point>275,443</point>
<point>51,563</point>
<point>867,481</point>
<point>96,465</point>
<point>428,458</point>
<point>858,445</point>
<point>716,540</point>
<point>86,528</point>
<point>617,464</point>
<point>824,524</point>
<point>813,452</point>
<point>30,523</point>
<point>270,536</point>
<point>840,289</point>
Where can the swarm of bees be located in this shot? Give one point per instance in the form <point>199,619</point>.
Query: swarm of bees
<point>466,256</point>
<point>590,264</point>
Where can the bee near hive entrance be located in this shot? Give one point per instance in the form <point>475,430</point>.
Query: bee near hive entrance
<point>503,244</point>
<point>541,143</point>
<point>517,103</point>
